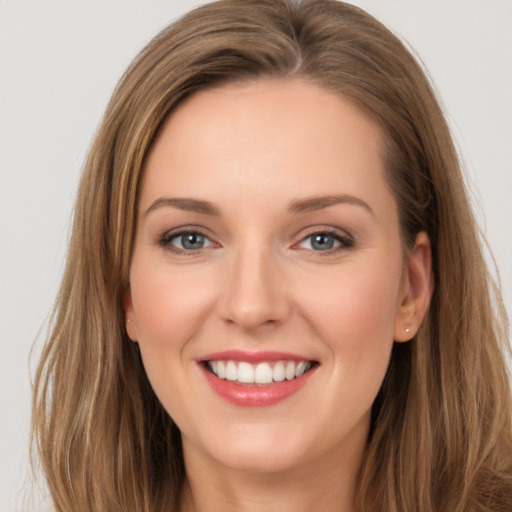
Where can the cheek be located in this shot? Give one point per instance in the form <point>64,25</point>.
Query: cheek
<point>168,304</point>
<point>169,308</point>
<point>355,306</point>
<point>354,317</point>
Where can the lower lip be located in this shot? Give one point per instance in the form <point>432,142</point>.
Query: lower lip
<point>246,395</point>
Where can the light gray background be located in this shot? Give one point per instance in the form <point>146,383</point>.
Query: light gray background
<point>59,62</point>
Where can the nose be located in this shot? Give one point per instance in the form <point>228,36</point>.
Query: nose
<point>255,292</point>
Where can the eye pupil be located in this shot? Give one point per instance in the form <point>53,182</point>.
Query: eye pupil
<point>192,241</point>
<point>322,241</point>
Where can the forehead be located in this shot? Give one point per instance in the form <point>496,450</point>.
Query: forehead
<point>269,138</point>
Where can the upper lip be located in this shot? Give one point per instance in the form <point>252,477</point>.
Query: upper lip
<point>253,357</point>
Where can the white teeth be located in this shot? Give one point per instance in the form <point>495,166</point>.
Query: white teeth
<point>278,372</point>
<point>245,373</point>
<point>290,371</point>
<point>262,373</point>
<point>301,367</point>
<point>231,371</point>
<point>221,370</point>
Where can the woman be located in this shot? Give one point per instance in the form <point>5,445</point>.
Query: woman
<point>275,295</point>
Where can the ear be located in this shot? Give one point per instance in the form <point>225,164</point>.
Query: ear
<point>130,321</point>
<point>416,289</point>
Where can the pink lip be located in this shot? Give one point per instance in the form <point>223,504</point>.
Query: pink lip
<point>248,395</point>
<point>252,357</point>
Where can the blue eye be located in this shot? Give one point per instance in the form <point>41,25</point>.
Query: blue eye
<point>322,241</point>
<point>191,241</point>
<point>325,241</point>
<point>186,241</point>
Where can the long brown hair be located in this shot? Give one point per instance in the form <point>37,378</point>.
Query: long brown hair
<point>441,433</point>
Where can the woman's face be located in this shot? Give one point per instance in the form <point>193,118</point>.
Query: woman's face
<point>268,245</point>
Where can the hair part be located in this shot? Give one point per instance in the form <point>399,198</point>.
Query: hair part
<point>441,424</point>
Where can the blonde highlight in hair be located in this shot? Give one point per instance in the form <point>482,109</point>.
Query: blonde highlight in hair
<point>441,425</point>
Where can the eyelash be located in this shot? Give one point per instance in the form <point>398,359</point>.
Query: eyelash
<point>345,242</point>
<point>166,239</point>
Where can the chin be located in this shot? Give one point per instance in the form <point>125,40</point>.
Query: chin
<point>261,448</point>
<point>261,457</point>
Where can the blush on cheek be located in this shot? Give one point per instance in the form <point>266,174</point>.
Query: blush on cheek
<point>167,303</point>
<point>358,310</point>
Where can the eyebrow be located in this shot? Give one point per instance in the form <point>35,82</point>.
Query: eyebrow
<point>311,204</point>
<point>189,205</point>
<point>305,205</point>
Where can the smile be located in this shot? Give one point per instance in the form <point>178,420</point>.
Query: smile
<point>263,373</point>
<point>256,379</point>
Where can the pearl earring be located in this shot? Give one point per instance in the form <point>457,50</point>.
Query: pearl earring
<point>407,330</point>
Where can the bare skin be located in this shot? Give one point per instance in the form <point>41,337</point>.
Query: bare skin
<point>300,489</point>
<point>266,224</point>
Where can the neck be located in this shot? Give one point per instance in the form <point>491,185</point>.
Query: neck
<point>326,483</point>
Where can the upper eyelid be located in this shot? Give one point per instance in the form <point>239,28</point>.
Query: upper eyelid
<point>165,238</point>
<point>301,236</point>
<point>170,233</point>
<point>331,230</point>
<point>344,238</point>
